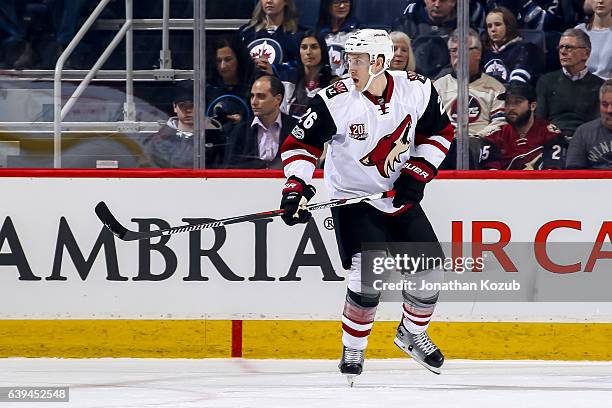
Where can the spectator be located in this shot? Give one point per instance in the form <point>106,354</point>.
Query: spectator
<point>568,97</point>
<point>526,142</point>
<point>172,145</point>
<point>255,145</point>
<point>543,15</point>
<point>576,11</point>
<point>65,19</point>
<point>486,111</point>
<point>403,57</point>
<point>15,48</point>
<point>27,46</point>
<point>272,35</point>
<point>336,22</point>
<point>229,83</point>
<point>599,30</point>
<point>429,23</point>
<point>591,146</point>
<point>311,75</point>
<point>506,55</point>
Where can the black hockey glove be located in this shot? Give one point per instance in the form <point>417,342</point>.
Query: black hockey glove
<point>410,184</point>
<point>296,195</point>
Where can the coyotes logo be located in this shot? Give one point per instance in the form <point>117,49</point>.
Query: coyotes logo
<point>389,148</point>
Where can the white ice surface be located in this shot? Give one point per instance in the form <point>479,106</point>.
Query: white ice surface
<point>238,383</point>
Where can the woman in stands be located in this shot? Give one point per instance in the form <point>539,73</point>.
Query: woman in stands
<point>599,30</point>
<point>506,55</point>
<point>336,21</point>
<point>312,73</point>
<point>403,57</point>
<point>272,35</point>
<point>229,80</point>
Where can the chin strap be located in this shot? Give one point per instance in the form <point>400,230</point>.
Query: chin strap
<point>371,78</point>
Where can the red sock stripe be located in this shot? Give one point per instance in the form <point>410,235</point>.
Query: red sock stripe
<point>419,323</point>
<point>355,333</point>
<point>411,313</point>
<point>357,321</point>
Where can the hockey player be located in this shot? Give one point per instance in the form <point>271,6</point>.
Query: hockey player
<point>386,130</point>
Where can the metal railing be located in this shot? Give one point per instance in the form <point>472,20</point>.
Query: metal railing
<point>59,112</point>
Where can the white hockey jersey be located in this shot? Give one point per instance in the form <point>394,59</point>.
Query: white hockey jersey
<point>370,138</point>
<point>485,111</point>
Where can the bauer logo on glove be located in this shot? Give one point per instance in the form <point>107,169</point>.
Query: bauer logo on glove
<point>296,195</point>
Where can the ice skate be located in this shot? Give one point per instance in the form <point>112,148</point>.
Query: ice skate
<point>421,348</point>
<point>351,364</point>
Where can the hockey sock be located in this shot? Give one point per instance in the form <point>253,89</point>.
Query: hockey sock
<point>357,319</point>
<point>419,305</point>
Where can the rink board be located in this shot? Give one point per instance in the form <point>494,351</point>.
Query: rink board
<point>248,290</point>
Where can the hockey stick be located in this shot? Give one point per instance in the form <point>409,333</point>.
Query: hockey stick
<point>109,220</point>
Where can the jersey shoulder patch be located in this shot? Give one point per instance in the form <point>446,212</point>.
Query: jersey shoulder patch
<point>552,128</point>
<point>413,76</point>
<point>335,89</point>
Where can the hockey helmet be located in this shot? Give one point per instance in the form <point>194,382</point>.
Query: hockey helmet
<point>372,42</point>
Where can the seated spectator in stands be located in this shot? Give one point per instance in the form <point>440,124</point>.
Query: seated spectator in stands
<point>311,75</point>
<point>172,145</point>
<point>272,35</point>
<point>575,12</point>
<point>230,79</point>
<point>486,111</point>
<point>336,22</point>
<point>568,97</point>
<point>14,46</point>
<point>591,146</point>
<point>526,142</point>
<point>39,31</point>
<point>534,14</point>
<point>429,23</point>
<point>403,57</point>
<point>599,29</point>
<point>255,145</point>
<point>506,55</point>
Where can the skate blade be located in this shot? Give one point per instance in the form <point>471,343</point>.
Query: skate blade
<point>350,379</point>
<point>403,347</point>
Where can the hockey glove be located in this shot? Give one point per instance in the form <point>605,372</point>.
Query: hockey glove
<point>410,184</point>
<point>296,195</point>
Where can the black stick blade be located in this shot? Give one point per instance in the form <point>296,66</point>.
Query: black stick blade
<point>109,220</point>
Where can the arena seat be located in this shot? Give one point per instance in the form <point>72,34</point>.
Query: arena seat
<point>308,11</point>
<point>378,14</point>
<point>536,37</point>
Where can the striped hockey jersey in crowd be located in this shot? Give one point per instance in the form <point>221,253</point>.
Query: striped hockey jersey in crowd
<point>485,111</point>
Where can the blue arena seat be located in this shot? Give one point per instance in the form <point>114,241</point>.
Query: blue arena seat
<point>308,11</point>
<point>378,13</point>
<point>536,37</point>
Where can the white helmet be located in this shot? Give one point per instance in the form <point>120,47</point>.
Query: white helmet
<point>374,43</point>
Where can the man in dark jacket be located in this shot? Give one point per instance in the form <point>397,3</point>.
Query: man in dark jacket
<point>255,144</point>
<point>568,97</point>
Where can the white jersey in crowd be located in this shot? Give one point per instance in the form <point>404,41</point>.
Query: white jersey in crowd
<point>369,138</point>
<point>485,112</point>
